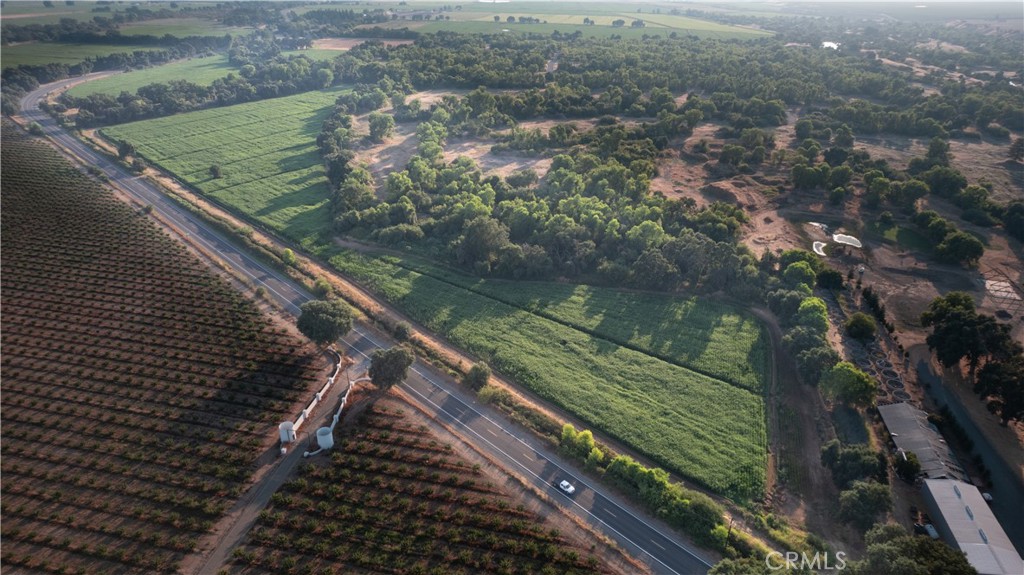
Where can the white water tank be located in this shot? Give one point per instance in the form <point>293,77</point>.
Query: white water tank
<point>287,431</point>
<point>325,438</point>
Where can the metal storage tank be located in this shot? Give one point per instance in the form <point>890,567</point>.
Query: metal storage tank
<point>287,431</point>
<point>325,437</point>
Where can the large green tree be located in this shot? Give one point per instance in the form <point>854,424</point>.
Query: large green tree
<point>959,332</point>
<point>863,502</point>
<point>482,240</point>
<point>324,321</point>
<point>813,313</point>
<point>891,550</point>
<point>390,367</point>
<point>381,126</point>
<point>1005,381</point>
<point>799,273</point>
<point>961,247</point>
<point>845,383</point>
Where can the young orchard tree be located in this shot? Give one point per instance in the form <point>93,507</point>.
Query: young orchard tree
<point>389,368</point>
<point>324,321</point>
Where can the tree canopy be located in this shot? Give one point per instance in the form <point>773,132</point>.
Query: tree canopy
<point>324,321</point>
<point>891,550</point>
<point>845,383</point>
<point>390,367</point>
<point>863,503</point>
<point>861,326</point>
<point>477,376</point>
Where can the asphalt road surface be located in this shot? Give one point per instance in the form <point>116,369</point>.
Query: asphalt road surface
<point>664,551</point>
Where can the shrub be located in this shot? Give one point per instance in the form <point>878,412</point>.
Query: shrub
<point>477,376</point>
<point>863,502</point>
<point>861,326</point>
<point>907,465</point>
<point>830,279</point>
<point>853,463</point>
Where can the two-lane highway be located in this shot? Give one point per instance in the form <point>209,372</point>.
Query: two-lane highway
<point>647,539</point>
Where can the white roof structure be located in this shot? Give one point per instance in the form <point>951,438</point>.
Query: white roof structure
<point>965,521</point>
<point>911,431</point>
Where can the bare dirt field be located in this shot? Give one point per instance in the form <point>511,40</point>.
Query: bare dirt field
<point>684,174</point>
<point>388,156</point>
<point>491,163</point>
<point>977,160</point>
<point>344,44</point>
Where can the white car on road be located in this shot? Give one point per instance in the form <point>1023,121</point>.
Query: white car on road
<point>567,487</point>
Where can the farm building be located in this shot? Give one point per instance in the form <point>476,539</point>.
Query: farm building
<point>911,432</point>
<point>965,522</point>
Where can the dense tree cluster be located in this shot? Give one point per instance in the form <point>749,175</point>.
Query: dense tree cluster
<point>591,215</point>
<point>861,474</point>
<point>959,332</point>
<point>805,317</point>
<point>891,550</point>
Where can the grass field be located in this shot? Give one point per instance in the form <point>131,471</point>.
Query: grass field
<point>42,53</point>
<point>486,25</point>
<point>713,338</point>
<point>24,13</point>
<point>587,31</point>
<point>201,71</point>
<point>703,428</point>
<point>581,348</point>
<point>901,235</point>
<point>266,151</point>
<point>566,18</point>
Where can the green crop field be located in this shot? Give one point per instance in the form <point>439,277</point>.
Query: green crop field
<point>266,150</point>
<point>488,26</point>
<point>21,13</point>
<point>703,428</point>
<point>681,380</point>
<point>201,71</point>
<point>566,18</point>
<point>42,53</point>
<point>710,337</point>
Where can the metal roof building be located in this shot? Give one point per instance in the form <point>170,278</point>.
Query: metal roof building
<point>965,522</point>
<point>911,431</point>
